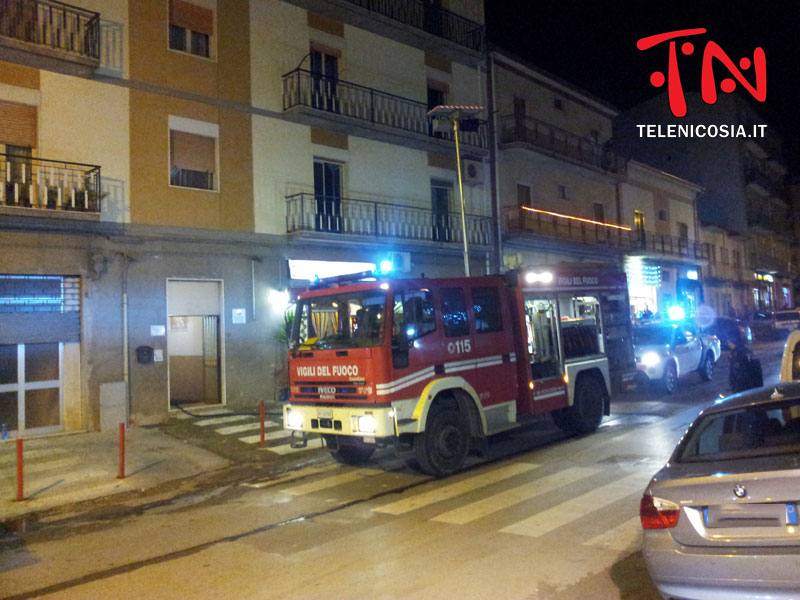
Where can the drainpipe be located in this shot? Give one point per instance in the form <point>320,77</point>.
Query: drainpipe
<point>493,183</point>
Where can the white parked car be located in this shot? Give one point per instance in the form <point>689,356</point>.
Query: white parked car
<point>668,350</point>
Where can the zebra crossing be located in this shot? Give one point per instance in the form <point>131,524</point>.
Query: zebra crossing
<point>247,429</point>
<point>585,493</point>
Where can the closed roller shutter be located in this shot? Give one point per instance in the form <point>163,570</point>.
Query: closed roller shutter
<point>18,124</point>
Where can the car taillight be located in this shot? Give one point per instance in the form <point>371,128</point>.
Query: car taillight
<point>657,513</point>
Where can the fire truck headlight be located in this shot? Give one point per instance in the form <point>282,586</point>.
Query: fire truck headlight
<point>651,359</point>
<point>367,424</point>
<point>294,419</point>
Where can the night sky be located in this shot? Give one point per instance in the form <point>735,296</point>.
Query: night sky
<point>593,45</point>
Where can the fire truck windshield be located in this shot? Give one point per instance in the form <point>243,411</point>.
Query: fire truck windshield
<point>340,320</point>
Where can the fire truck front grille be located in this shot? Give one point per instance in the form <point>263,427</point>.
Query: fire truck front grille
<point>326,424</point>
<point>335,390</point>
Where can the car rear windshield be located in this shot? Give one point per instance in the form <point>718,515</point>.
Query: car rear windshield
<point>752,431</point>
<point>342,320</point>
<point>652,336</point>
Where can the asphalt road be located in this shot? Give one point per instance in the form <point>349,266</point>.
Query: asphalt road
<point>545,516</point>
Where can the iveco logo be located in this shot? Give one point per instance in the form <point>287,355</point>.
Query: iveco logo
<point>326,390</point>
<point>739,491</point>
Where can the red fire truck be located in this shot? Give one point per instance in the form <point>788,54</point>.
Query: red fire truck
<point>438,365</point>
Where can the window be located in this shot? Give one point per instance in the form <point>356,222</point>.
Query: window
<point>39,293</point>
<point>523,195</point>
<point>662,215</point>
<point>683,231</point>
<point>193,153</point>
<point>454,312</point>
<point>437,96</point>
<point>564,192</point>
<point>558,104</point>
<point>328,194</point>
<point>486,305</point>
<point>190,28</point>
<point>599,212</point>
<point>441,193</point>
<point>413,316</point>
<point>324,80</point>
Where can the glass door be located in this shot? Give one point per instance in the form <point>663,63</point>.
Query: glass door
<point>31,387</point>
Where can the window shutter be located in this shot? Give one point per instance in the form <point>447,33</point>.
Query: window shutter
<point>18,124</point>
<point>190,16</point>
<point>193,152</point>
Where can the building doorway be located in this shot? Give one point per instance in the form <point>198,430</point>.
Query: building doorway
<point>194,342</point>
<point>31,399</point>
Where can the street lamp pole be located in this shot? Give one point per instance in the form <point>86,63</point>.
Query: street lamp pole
<point>461,196</point>
<point>455,114</point>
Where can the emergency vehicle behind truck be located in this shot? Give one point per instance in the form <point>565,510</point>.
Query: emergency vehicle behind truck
<point>438,365</point>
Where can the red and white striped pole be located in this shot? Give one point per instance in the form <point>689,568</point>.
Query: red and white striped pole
<point>121,474</point>
<point>20,481</point>
<point>262,423</point>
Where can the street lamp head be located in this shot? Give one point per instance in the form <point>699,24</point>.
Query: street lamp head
<point>455,112</point>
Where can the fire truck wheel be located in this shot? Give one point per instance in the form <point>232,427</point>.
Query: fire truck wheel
<point>442,447</point>
<point>349,451</point>
<point>585,414</point>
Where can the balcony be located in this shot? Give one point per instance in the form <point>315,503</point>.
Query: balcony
<point>366,112</point>
<point>767,263</point>
<point>762,183</point>
<point>767,219</point>
<point>321,215</point>
<point>38,186</point>
<point>723,272</point>
<point>662,245</point>
<point>45,34</point>
<point>418,23</point>
<point>525,221</point>
<point>587,232</point>
<point>531,133</point>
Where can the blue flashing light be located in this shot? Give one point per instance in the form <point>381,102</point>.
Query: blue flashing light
<point>386,266</point>
<point>676,313</point>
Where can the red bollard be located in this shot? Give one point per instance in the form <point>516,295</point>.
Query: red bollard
<point>20,484</point>
<point>262,423</point>
<point>121,451</point>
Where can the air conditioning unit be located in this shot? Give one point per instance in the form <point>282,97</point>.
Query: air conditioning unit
<point>472,172</point>
<point>401,261</point>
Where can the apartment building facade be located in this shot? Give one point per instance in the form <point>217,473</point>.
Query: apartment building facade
<point>743,211</point>
<point>175,170</point>
<point>566,196</point>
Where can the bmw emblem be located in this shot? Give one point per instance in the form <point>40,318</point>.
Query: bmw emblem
<point>739,491</point>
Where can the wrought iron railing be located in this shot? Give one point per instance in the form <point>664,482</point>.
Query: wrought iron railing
<point>348,216</point>
<point>528,130</point>
<point>753,175</point>
<point>724,271</point>
<point>590,232</point>
<point>53,25</point>
<point>518,219</point>
<point>430,18</point>
<point>337,97</point>
<point>668,245</point>
<point>41,183</point>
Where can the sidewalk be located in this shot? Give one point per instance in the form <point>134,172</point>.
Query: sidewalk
<point>61,470</point>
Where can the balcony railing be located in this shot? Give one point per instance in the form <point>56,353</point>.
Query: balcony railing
<point>429,18</point>
<point>754,176</point>
<point>347,216</point>
<point>527,130</point>
<point>724,272</point>
<point>564,227</point>
<point>51,24</point>
<point>668,245</point>
<point>589,232</point>
<point>337,97</point>
<point>44,184</point>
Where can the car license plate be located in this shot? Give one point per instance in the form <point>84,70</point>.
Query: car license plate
<point>324,413</point>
